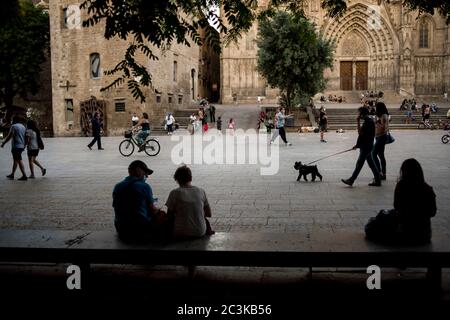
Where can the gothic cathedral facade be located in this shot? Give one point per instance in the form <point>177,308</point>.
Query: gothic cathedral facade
<point>378,47</point>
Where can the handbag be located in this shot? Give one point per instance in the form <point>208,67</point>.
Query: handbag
<point>389,138</point>
<point>382,227</point>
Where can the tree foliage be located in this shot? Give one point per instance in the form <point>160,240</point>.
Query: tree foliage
<point>24,42</point>
<point>159,23</point>
<point>292,56</point>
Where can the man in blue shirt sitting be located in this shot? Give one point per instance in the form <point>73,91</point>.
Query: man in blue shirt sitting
<point>136,216</point>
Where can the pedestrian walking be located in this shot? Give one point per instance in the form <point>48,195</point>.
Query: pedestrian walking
<point>276,132</point>
<point>192,123</point>
<point>381,136</point>
<point>219,123</point>
<point>323,123</point>
<point>231,126</point>
<point>170,120</point>
<point>17,135</point>
<point>366,134</point>
<point>34,144</point>
<point>96,131</point>
<point>281,118</point>
<point>213,114</point>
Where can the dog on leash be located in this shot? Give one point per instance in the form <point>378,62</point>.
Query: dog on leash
<point>304,170</point>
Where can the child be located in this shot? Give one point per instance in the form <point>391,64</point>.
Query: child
<point>231,125</point>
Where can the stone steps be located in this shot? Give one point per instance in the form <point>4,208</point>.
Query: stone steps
<point>345,118</point>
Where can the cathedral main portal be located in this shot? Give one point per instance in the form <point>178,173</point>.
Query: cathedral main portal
<point>354,75</point>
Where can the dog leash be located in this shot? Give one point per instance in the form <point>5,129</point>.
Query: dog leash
<point>335,154</point>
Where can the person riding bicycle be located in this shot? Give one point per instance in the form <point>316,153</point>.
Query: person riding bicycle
<point>144,123</point>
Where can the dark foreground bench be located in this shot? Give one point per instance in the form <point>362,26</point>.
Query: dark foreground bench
<point>317,249</point>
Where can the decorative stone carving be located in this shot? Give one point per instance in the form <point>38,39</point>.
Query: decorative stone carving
<point>354,46</point>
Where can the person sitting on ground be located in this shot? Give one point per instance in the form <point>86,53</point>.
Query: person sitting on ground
<point>136,216</point>
<point>144,123</point>
<point>414,206</point>
<point>189,207</point>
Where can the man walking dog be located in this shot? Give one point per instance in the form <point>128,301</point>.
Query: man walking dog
<point>365,144</point>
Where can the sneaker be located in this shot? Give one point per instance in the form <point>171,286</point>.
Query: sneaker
<point>90,148</point>
<point>323,140</point>
<point>347,182</point>
<point>101,149</point>
<point>31,177</point>
<point>10,177</point>
<point>289,144</point>
<point>375,184</point>
<point>23,178</point>
<point>44,171</point>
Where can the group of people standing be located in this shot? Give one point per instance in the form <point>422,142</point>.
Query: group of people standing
<point>206,114</point>
<point>24,134</point>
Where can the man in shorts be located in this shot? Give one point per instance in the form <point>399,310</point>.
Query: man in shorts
<point>17,136</point>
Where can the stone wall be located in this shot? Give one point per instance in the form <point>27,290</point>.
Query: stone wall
<point>174,75</point>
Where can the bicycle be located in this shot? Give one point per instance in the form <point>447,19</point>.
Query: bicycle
<point>446,138</point>
<point>426,125</point>
<point>151,146</point>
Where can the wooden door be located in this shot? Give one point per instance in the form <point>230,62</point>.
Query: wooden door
<point>362,71</point>
<point>346,75</point>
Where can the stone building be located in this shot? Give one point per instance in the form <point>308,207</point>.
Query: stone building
<point>378,47</point>
<point>81,55</point>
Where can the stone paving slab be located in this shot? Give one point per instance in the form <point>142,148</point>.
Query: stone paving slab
<point>76,192</point>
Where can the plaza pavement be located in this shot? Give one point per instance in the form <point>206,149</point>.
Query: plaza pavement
<point>76,192</point>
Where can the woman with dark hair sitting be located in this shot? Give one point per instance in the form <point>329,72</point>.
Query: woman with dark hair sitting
<point>415,203</point>
<point>414,206</point>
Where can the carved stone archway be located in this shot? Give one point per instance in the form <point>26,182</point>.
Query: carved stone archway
<point>372,44</point>
<point>87,110</point>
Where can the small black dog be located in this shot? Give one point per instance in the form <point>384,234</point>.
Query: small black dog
<point>304,170</point>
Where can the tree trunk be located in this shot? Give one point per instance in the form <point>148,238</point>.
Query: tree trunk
<point>8,99</point>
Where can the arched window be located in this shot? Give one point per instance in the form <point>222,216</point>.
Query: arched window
<point>175,67</point>
<point>94,59</point>
<point>424,34</point>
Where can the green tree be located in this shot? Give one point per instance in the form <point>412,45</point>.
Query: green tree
<point>24,42</point>
<point>292,56</point>
<point>161,22</point>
